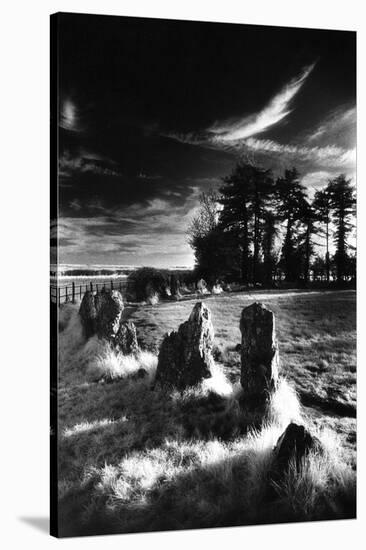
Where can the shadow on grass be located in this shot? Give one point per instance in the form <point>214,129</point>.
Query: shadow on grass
<point>216,494</point>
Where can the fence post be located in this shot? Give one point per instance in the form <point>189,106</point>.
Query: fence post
<point>59,297</point>
<point>80,291</point>
<point>73,292</point>
<point>91,286</point>
<point>66,296</point>
<point>111,284</point>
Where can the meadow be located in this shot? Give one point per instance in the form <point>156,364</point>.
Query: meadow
<point>133,457</point>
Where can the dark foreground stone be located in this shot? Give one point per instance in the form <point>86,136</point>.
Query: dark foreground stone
<point>292,447</point>
<point>185,356</point>
<point>259,354</point>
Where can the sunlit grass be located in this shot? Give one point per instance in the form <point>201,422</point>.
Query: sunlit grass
<point>135,457</point>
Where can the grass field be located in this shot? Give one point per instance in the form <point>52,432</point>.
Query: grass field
<point>133,458</point>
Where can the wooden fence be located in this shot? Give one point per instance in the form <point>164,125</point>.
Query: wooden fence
<point>60,294</point>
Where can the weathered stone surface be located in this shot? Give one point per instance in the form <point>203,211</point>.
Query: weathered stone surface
<point>126,338</point>
<point>109,307</point>
<point>88,314</point>
<point>292,446</point>
<point>101,313</point>
<point>185,356</point>
<point>259,353</point>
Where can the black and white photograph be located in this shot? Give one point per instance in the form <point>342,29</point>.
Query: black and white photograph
<point>202,274</point>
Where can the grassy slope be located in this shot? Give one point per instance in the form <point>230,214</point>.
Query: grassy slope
<point>126,452</point>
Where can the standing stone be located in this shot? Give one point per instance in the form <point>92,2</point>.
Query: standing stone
<point>259,354</point>
<point>175,286</point>
<point>126,338</point>
<point>185,356</point>
<point>101,314</point>
<point>109,307</point>
<point>88,314</point>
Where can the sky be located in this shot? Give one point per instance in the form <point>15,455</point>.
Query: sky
<point>154,112</point>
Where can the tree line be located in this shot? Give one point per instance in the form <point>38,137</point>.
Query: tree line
<point>261,229</point>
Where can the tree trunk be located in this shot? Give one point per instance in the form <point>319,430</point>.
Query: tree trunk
<point>245,250</point>
<point>287,251</point>
<point>256,247</point>
<point>307,253</point>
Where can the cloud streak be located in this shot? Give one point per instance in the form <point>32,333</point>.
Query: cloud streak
<point>275,111</point>
<point>86,163</point>
<point>69,117</point>
<point>328,156</point>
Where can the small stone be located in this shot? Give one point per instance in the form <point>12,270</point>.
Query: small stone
<point>202,287</point>
<point>293,445</point>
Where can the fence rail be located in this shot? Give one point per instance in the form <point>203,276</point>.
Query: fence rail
<point>60,294</point>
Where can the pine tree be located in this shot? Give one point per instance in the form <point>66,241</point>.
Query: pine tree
<point>343,202</point>
<point>322,206</point>
<point>290,199</point>
<point>244,197</point>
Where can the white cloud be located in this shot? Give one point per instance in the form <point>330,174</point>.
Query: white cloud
<point>328,156</point>
<point>69,118</point>
<point>334,126</point>
<point>86,163</point>
<point>276,110</point>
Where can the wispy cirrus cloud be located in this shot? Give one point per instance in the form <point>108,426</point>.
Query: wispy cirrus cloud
<point>327,156</point>
<point>227,133</point>
<point>86,162</point>
<point>69,116</point>
<point>328,146</point>
<point>276,110</point>
<point>338,126</point>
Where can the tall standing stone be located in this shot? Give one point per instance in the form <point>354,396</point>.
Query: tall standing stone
<point>126,338</point>
<point>185,356</point>
<point>88,314</point>
<point>259,354</point>
<point>109,307</point>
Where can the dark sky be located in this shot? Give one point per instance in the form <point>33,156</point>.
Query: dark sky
<point>153,112</point>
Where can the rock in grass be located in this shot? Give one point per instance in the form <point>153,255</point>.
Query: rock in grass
<point>109,307</point>
<point>185,356</point>
<point>292,446</point>
<point>259,354</point>
<point>126,338</point>
<point>101,313</point>
<point>88,314</point>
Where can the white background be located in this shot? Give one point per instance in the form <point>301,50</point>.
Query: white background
<point>24,203</point>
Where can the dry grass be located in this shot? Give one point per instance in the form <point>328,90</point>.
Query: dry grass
<point>133,458</point>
